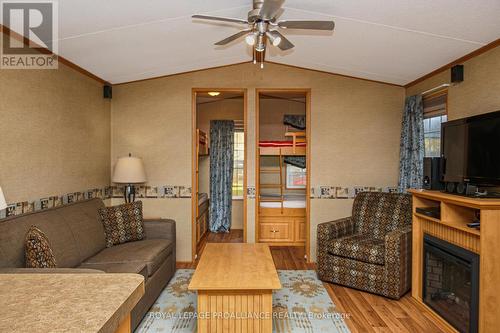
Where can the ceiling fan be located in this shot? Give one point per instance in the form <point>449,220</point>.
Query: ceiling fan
<point>263,25</point>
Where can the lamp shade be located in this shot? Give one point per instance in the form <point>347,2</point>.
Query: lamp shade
<point>3,204</point>
<point>129,170</point>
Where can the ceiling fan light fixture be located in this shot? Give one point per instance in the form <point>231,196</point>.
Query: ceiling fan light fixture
<point>274,39</point>
<point>250,39</point>
<point>214,93</point>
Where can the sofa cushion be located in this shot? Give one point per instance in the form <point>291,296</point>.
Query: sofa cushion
<point>85,223</point>
<point>152,252</point>
<point>122,223</point>
<point>37,250</point>
<point>127,267</point>
<point>361,247</point>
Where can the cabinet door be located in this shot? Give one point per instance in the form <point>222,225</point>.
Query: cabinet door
<point>276,232</point>
<point>300,230</point>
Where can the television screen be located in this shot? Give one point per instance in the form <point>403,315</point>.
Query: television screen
<point>453,147</point>
<point>483,149</point>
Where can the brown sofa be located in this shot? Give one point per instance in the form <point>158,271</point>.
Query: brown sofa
<point>371,250</point>
<point>77,238</point>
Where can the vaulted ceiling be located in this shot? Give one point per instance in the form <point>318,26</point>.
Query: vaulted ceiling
<point>393,41</point>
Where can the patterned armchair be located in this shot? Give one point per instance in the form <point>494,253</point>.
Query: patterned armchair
<point>371,250</point>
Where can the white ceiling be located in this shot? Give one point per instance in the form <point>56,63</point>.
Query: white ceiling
<point>394,41</point>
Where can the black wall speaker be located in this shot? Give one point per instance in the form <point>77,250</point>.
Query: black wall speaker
<point>457,73</point>
<point>107,91</point>
<point>432,174</point>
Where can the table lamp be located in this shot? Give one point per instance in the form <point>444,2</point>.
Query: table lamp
<point>3,203</point>
<point>129,170</point>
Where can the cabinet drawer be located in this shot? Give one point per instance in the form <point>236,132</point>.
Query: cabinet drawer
<point>276,232</point>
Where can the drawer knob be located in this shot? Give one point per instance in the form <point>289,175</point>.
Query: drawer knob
<point>275,230</point>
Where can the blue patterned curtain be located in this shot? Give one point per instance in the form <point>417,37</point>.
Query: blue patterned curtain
<point>221,174</point>
<point>411,159</point>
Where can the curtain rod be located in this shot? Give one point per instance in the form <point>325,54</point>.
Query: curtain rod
<point>444,85</point>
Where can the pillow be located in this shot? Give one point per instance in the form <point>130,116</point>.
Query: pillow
<point>122,223</point>
<point>37,250</point>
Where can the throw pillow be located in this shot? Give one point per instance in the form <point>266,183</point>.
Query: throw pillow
<point>122,223</point>
<point>38,252</point>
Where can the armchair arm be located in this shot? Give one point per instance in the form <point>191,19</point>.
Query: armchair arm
<point>335,229</point>
<point>398,245</point>
<point>160,229</point>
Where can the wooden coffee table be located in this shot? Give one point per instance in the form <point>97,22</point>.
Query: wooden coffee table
<point>235,284</point>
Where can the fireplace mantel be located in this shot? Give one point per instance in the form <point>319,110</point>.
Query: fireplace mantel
<point>456,212</point>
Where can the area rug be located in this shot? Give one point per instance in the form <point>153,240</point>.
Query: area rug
<point>302,305</point>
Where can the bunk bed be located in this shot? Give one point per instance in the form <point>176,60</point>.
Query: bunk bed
<point>203,202</point>
<point>282,215</point>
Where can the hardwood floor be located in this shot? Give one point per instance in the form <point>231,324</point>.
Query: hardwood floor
<point>365,312</point>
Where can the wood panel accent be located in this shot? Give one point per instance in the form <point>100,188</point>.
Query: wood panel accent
<point>245,304</point>
<point>195,166</point>
<point>458,61</point>
<point>124,325</point>
<point>456,212</point>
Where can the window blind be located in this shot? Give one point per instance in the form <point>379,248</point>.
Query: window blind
<point>435,104</point>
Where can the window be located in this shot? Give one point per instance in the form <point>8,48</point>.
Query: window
<point>435,108</point>
<point>432,135</point>
<point>238,164</point>
<point>295,177</point>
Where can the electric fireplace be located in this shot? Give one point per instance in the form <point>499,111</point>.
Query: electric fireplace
<point>451,283</point>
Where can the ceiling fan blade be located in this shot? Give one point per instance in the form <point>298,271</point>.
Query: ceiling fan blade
<point>220,19</point>
<point>285,44</point>
<point>232,37</point>
<point>313,25</point>
<point>270,8</point>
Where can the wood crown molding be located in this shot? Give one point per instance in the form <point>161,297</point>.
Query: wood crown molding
<point>458,61</point>
<point>44,50</point>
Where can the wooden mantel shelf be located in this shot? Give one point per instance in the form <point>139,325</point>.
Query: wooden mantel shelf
<point>456,212</point>
<point>477,203</point>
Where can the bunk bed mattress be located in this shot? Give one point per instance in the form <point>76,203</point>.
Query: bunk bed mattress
<point>280,144</point>
<point>286,204</point>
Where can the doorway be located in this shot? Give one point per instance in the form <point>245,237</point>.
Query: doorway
<point>219,132</point>
<point>282,169</point>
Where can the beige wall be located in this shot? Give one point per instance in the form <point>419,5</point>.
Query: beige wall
<point>228,109</point>
<point>478,93</point>
<point>355,129</point>
<point>54,133</point>
<point>271,117</point>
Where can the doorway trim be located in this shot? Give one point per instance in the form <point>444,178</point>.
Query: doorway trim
<point>194,161</point>
<point>307,92</point>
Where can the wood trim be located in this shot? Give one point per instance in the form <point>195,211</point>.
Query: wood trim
<point>308,175</point>
<point>194,162</point>
<point>251,62</point>
<point>60,59</point>
<point>307,92</point>
<point>182,73</point>
<point>458,61</point>
<point>337,74</point>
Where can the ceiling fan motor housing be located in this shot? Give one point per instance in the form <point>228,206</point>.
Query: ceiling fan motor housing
<point>254,14</point>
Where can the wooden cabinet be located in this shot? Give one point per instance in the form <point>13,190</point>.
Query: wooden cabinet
<point>456,212</point>
<point>282,227</point>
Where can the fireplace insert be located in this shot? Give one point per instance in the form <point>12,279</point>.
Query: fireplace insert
<point>451,283</point>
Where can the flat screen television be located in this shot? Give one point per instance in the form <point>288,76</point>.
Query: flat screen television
<point>470,149</point>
